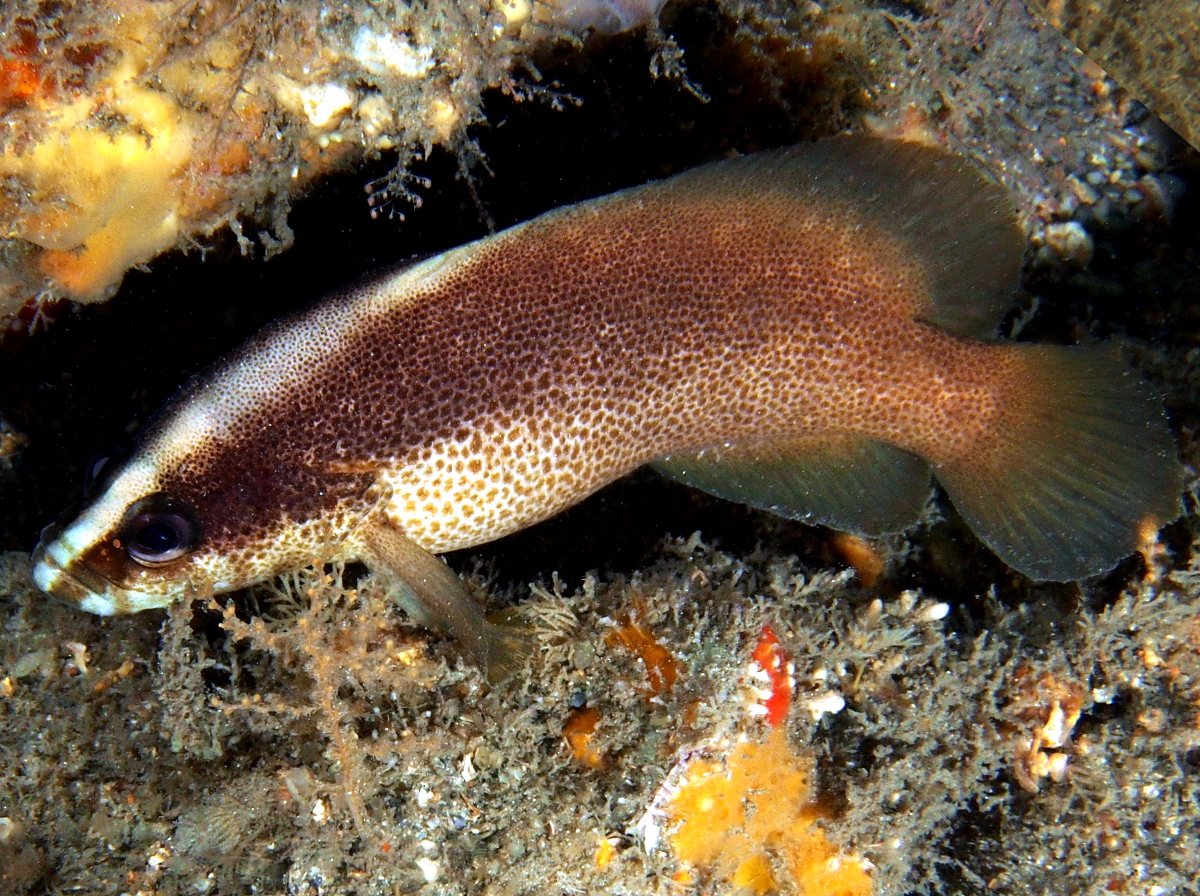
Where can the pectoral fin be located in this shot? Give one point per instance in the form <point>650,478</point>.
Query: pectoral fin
<point>842,480</point>
<point>434,595</point>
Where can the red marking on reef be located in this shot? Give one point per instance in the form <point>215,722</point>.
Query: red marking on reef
<point>769,654</point>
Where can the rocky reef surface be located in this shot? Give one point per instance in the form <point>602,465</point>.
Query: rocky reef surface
<point>895,716</point>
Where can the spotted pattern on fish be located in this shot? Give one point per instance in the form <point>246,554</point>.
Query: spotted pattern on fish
<point>799,297</point>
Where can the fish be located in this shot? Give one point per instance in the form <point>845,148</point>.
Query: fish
<point>809,330</point>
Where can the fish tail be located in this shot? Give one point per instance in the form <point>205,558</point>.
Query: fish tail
<point>1081,465</point>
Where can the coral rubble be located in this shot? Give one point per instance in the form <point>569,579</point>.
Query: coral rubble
<point>339,752</point>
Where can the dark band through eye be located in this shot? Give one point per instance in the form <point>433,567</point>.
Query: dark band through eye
<point>159,529</point>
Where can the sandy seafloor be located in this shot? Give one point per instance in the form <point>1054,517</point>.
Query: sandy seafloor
<point>993,735</point>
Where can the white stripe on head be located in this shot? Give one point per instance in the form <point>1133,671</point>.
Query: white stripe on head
<point>45,576</point>
<point>100,604</point>
<point>138,479</point>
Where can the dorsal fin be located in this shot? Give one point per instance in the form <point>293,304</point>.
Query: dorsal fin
<point>958,225</point>
<point>846,481</point>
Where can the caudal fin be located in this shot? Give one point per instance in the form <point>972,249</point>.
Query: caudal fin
<point>1084,463</point>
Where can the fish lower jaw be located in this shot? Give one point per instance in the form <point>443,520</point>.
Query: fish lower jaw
<point>88,591</point>
<point>54,581</point>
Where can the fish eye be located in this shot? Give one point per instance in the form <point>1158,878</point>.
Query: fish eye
<point>99,468</point>
<point>159,529</point>
<point>92,470</point>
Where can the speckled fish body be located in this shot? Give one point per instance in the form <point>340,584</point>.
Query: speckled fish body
<point>802,330</point>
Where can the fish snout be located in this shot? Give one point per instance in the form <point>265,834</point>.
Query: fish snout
<point>62,569</point>
<point>56,572</point>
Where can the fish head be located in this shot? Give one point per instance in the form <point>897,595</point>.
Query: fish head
<point>206,503</point>
<point>119,556</point>
<point>134,546</point>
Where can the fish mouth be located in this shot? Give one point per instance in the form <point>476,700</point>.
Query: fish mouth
<point>57,573</point>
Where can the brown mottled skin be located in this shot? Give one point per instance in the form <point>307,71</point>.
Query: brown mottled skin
<point>517,385</point>
<point>488,389</point>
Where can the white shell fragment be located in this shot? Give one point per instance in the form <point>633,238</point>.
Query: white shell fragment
<point>386,54</point>
<point>824,704</point>
<point>325,103</point>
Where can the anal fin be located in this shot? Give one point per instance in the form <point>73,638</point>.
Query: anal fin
<point>435,596</point>
<point>843,480</point>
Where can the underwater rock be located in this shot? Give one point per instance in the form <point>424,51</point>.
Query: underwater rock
<point>180,127</point>
<point>1153,49</point>
<point>128,128</point>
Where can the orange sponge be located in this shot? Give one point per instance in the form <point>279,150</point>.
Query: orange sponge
<point>750,818</point>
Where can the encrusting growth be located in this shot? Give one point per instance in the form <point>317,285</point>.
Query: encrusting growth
<point>751,818</point>
<point>747,813</point>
